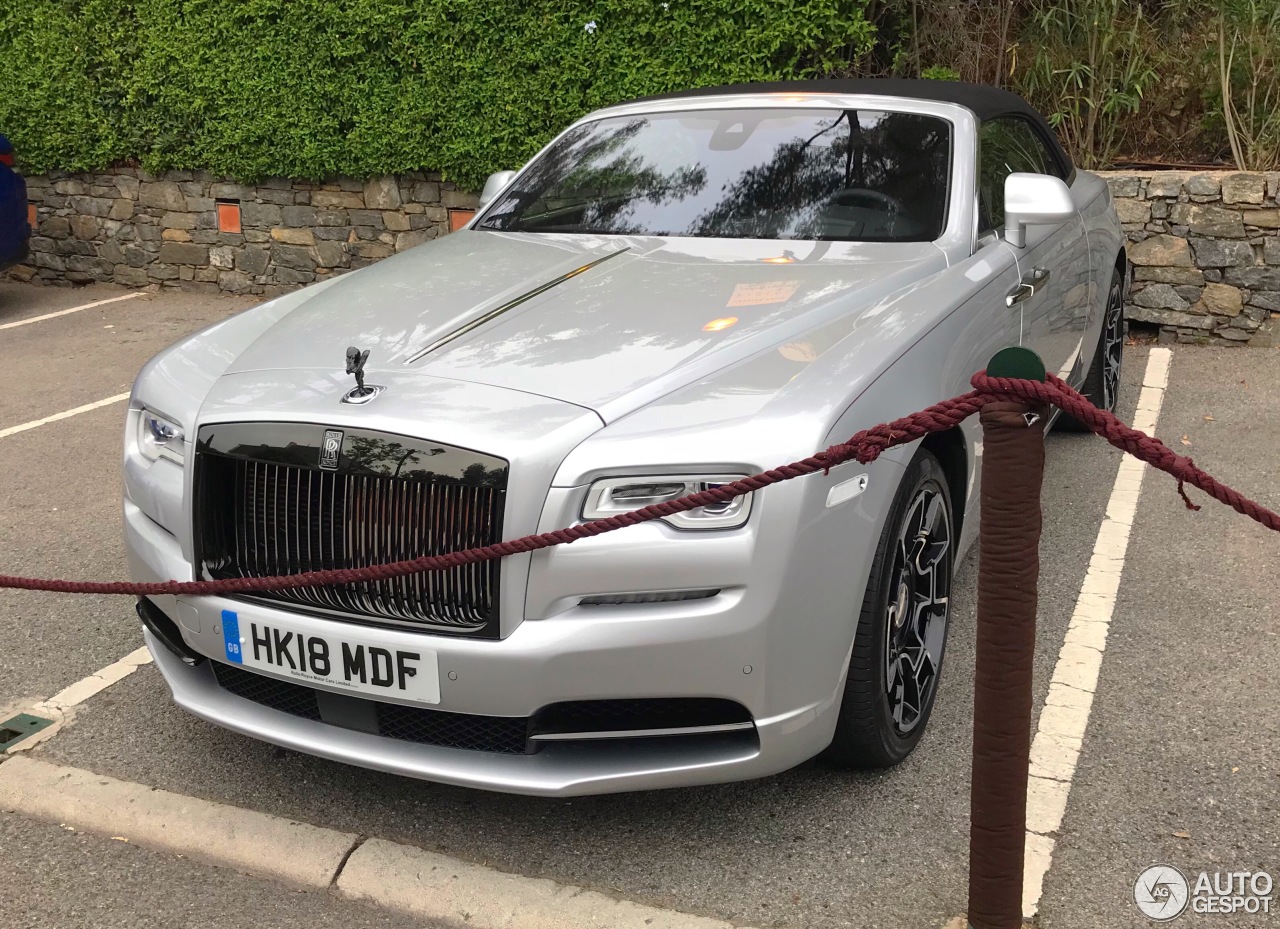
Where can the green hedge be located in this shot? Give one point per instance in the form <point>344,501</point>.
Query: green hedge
<point>316,88</point>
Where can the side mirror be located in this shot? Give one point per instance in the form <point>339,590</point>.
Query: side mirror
<point>493,186</point>
<point>1034,200</point>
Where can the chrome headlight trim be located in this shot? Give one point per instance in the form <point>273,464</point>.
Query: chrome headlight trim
<point>159,437</point>
<point>613,495</point>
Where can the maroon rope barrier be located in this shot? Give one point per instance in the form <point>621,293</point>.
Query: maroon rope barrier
<point>864,446</point>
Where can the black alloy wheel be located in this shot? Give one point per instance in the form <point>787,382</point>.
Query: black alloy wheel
<point>902,628</point>
<point>920,582</point>
<point>1112,347</point>
<point>1101,385</point>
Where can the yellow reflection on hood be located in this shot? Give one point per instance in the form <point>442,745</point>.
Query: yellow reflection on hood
<point>719,325</point>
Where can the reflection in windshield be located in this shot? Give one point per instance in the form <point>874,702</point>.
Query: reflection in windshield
<point>844,175</point>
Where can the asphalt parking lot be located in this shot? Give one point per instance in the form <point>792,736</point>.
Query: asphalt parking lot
<point>1180,764</point>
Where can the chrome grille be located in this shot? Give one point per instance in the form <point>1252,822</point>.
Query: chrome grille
<point>257,517</point>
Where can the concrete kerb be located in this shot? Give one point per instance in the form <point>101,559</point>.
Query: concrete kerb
<point>169,822</point>
<point>423,884</point>
<point>459,893</point>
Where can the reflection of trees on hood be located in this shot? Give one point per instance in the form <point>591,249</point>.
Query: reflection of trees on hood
<point>894,156</point>
<point>597,170</point>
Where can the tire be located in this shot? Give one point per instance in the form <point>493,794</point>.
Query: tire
<point>897,653</point>
<point>1102,383</point>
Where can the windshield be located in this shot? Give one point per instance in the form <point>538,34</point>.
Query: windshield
<point>843,175</point>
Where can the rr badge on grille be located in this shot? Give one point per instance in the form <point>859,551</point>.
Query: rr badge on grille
<point>331,449</point>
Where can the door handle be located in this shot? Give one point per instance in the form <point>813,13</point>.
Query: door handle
<point>1028,287</point>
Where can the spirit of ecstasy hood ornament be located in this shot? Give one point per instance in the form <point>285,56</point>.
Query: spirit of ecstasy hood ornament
<point>355,365</point>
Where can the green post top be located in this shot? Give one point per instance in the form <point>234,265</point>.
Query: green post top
<point>1018,362</point>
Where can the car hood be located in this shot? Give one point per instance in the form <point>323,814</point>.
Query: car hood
<point>603,322</point>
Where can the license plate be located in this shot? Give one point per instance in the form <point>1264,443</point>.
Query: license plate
<point>354,663</point>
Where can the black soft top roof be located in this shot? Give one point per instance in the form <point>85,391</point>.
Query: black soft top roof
<point>985,101</point>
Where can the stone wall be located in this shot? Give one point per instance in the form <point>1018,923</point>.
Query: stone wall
<point>1205,249</point>
<point>193,231</point>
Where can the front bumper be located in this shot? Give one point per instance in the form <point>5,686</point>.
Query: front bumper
<point>715,648</point>
<point>560,769</point>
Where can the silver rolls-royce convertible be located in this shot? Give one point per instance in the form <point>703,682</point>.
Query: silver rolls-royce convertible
<point>674,292</point>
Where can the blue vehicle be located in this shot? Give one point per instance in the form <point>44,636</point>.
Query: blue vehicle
<point>14,228</point>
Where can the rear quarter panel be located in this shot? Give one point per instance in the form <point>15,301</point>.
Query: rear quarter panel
<point>1106,238</point>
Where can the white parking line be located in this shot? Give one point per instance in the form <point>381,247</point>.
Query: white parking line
<point>74,309</point>
<point>65,414</point>
<point>96,682</point>
<point>64,701</point>
<point>1059,736</point>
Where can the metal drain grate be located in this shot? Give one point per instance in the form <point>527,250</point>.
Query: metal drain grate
<point>22,726</point>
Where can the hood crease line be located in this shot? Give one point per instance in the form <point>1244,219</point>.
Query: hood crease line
<point>509,305</point>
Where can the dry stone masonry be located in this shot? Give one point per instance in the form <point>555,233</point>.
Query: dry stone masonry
<point>189,230</point>
<point>1205,250</point>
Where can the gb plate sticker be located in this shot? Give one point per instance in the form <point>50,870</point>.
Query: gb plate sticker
<point>231,636</point>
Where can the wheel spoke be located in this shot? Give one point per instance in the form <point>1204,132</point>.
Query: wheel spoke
<point>901,559</point>
<point>934,637</point>
<point>915,522</point>
<point>896,692</point>
<point>911,701</point>
<point>931,555</point>
<point>935,515</point>
<point>934,539</point>
<point>921,588</point>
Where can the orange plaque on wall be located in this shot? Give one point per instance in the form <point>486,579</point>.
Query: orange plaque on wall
<point>459,218</point>
<point>229,217</point>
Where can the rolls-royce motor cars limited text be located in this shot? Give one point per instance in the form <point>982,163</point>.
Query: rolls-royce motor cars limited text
<point>674,292</point>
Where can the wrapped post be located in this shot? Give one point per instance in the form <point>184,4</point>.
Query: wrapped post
<point>1009,566</point>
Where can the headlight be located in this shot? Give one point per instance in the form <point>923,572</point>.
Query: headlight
<point>158,437</point>
<point>615,495</point>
